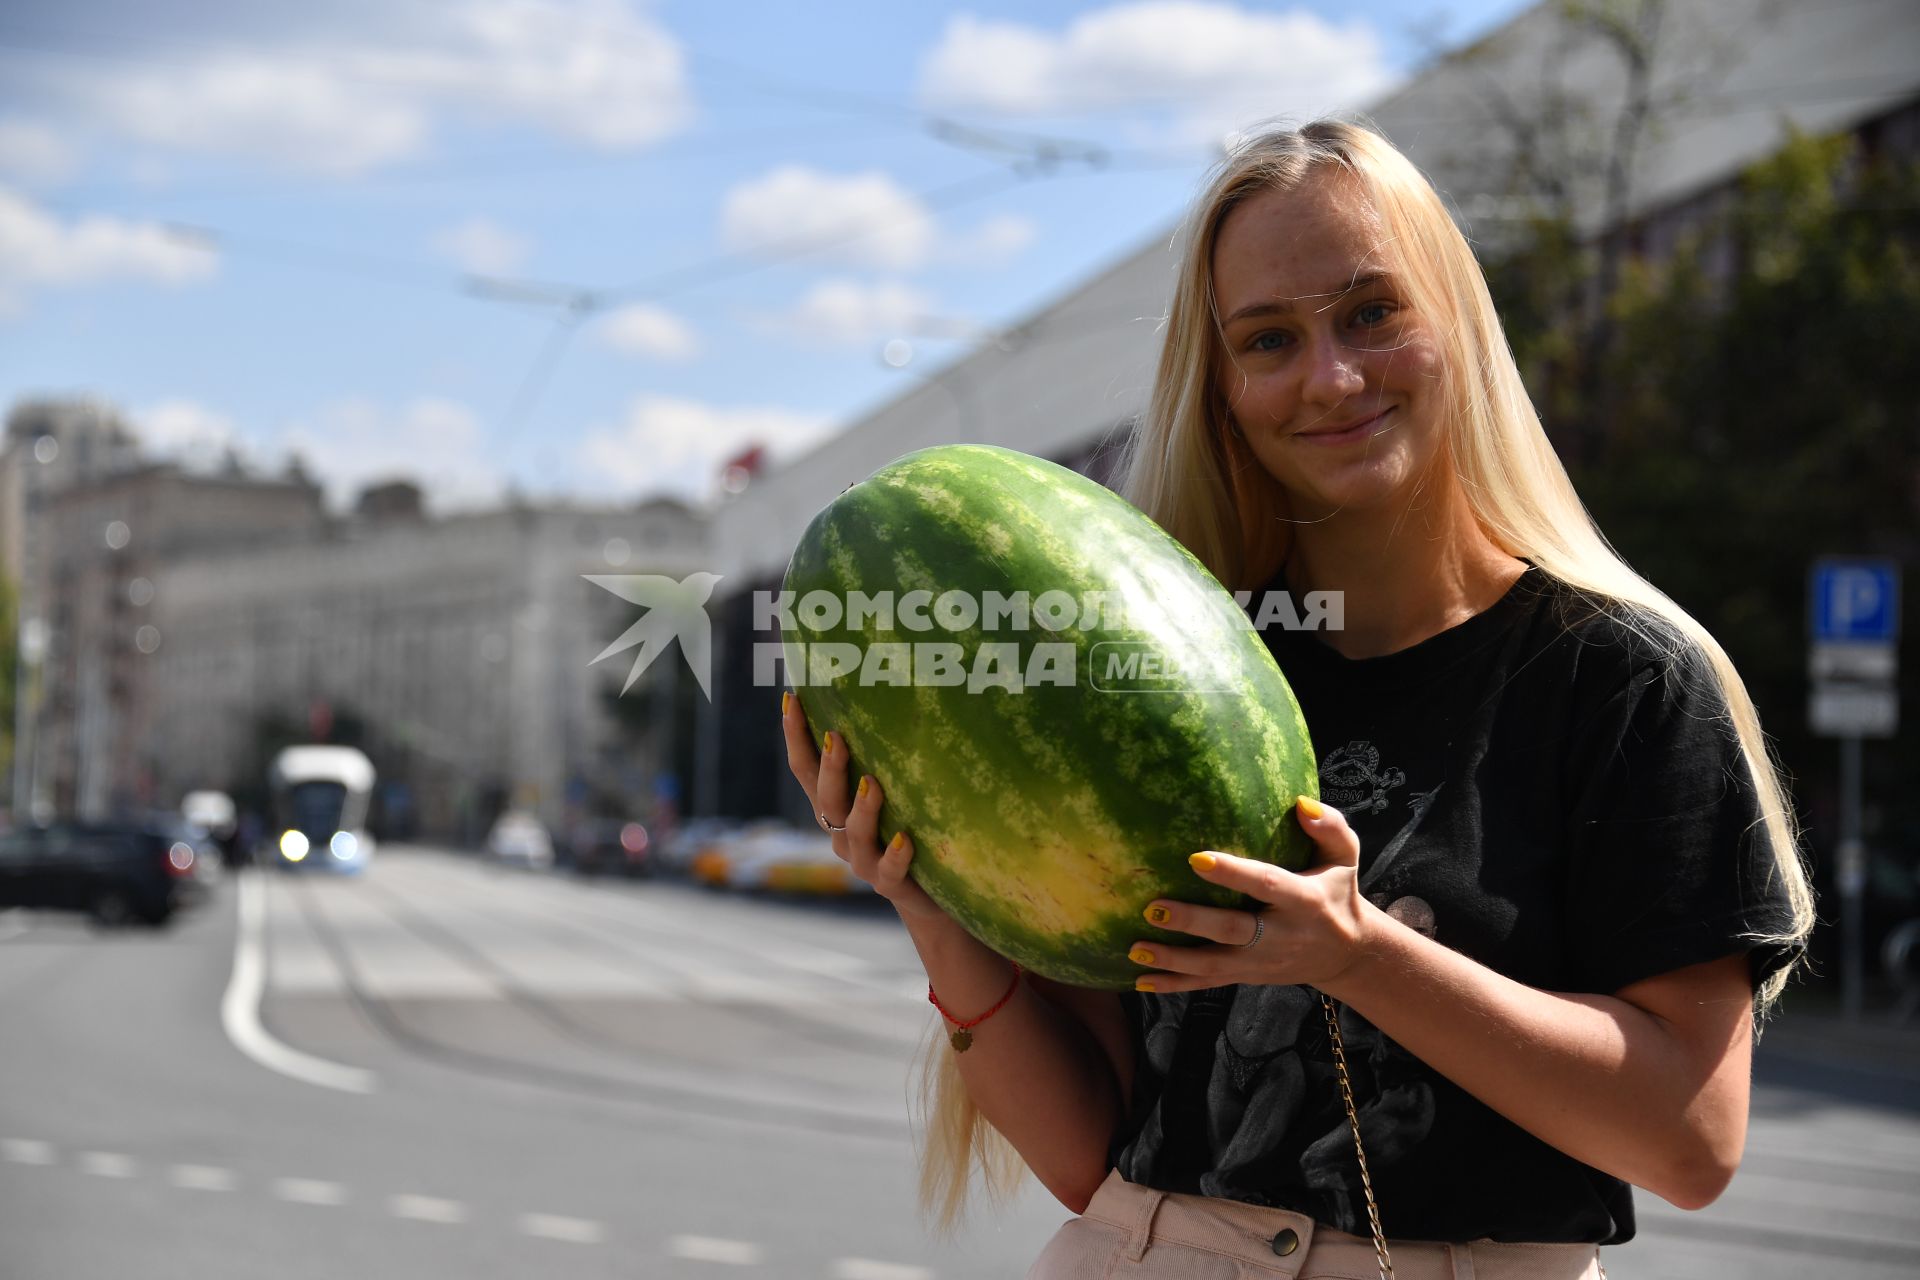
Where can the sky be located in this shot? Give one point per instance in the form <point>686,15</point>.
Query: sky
<point>588,249</point>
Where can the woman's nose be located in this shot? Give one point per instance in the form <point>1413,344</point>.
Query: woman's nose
<point>1332,373</point>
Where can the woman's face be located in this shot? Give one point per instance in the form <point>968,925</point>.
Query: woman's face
<point>1330,375</point>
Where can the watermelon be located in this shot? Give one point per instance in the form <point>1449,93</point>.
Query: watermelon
<point>1054,771</point>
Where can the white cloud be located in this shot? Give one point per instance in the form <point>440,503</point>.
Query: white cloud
<point>851,313</point>
<point>295,111</point>
<point>436,443</point>
<point>186,431</point>
<point>667,445</point>
<point>38,250</point>
<point>598,72</point>
<point>863,218</point>
<point>31,152</point>
<point>645,330</point>
<point>1212,67</point>
<point>481,247</point>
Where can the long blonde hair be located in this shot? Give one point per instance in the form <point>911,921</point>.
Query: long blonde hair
<point>1184,467</point>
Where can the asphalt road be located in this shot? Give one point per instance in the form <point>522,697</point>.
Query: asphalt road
<point>443,1070</point>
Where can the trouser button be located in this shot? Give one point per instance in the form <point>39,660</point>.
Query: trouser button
<point>1286,1241</point>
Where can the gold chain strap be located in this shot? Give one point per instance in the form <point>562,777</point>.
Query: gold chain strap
<point>1353,1118</point>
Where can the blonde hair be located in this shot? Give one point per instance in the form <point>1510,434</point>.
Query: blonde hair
<point>1184,467</point>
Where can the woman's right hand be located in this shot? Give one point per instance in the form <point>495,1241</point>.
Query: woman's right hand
<point>824,779</point>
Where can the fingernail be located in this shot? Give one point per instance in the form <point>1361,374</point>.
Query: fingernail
<point>898,842</point>
<point>1203,862</point>
<point>861,790</point>
<point>833,741</point>
<point>1140,955</point>
<point>1158,915</point>
<point>786,703</point>
<point>1310,809</point>
<point>1143,984</point>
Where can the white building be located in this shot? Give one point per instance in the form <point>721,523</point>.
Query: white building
<point>460,648</point>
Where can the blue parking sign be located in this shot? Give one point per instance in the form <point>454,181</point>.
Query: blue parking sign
<point>1856,600</point>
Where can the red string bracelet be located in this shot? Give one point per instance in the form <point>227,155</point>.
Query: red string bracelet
<point>962,1035</point>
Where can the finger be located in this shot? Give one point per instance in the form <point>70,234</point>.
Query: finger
<point>830,788</point>
<point>1261,880</point>
<point>1327,826</point>
<point>1186,961</point>
<point>1216,924</point>
<point>801,757</point>
<point>1168,983</point>
<point>863,826</point>
<point>894,863</point>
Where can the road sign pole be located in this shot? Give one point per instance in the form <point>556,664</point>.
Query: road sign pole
<point>1852,878</point>
<point>1854,619</point>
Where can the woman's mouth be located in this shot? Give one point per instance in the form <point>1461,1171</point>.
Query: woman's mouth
<point>1350,433</point>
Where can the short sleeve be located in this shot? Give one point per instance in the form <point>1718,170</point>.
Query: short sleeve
<point>1670,862</point>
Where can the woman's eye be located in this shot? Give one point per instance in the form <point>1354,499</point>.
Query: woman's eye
<point>1268,342</point>
<point>1372,313</point>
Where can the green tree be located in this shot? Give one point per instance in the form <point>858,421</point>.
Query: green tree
<point>1763,387</point>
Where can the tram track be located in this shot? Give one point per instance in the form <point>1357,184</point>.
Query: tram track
<point>387,1019</point>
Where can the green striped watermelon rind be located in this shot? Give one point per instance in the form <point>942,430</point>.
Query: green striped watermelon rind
<point>1048,862</point>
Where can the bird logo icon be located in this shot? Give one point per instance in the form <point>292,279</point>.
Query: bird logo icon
<point>675,610</point>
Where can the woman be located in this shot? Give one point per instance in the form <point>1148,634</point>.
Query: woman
<point>1557,876</point>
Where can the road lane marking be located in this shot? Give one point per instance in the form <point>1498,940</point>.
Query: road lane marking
<point>868,1269</point>
<point>416,1208</point>
<point>26,1151</point>
<point>106,1164</point>
<point>552,1226</point>
<point>739,1253</point>
<point>240,1007</point>
<point>309,1191</point>
<point>201,1177</point>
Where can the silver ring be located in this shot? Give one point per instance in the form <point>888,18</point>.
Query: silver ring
<point>1259,927</point>
<point>828,827</point>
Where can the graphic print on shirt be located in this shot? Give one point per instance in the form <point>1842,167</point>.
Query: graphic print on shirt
<point>1352,781</point>
<point>1272,1098</point>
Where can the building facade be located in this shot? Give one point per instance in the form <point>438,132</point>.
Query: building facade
<point>458,652</point>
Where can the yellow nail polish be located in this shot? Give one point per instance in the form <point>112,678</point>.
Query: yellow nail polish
<point>833,741</point>
<point>898,842</point>
<point>1158,915</point>
<point>1203,862</point>
<point>1143,984</point>
<point>861,790</point>
<point>786,703</point>
<point>1140,955</point>
<point>1311,809</point>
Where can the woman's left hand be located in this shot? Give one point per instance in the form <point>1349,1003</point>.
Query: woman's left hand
<point>1313,927</point>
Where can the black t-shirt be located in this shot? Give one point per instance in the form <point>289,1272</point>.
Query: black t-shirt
<point>1552,788</point>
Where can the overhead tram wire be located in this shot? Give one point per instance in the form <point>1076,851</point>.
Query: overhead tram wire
<point>743,262</point>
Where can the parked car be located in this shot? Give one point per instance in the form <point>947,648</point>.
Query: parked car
<point>772,857</point>
<point>519,839</point>
<point>214,813</point>
<point>679,853</point>
<point>611,847</point>
<point>117,872</point>
<point>209,855</point>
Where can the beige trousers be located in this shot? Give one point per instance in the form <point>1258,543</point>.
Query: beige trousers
<point>1133,1233</point>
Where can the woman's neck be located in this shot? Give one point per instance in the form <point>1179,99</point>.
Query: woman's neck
<point>1406,575</point>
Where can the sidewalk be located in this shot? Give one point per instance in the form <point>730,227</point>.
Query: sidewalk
<point>1809,1044</point>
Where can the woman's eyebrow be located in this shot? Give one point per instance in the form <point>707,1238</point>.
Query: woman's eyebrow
<point>1282,307</point>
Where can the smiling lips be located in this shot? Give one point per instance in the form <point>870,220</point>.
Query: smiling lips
<point>1347,434</point>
